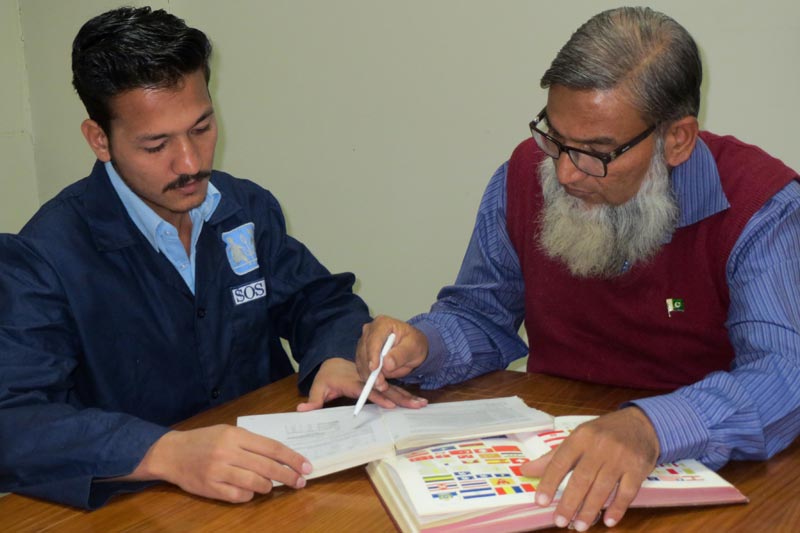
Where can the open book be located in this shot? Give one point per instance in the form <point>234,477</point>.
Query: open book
<point>476,484</point>
<point>333,439</point>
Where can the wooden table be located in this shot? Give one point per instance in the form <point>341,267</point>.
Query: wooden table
<point>346,501</point>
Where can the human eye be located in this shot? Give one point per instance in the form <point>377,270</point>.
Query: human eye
<point>554,134</point>
<point>155,149</point>
<point>600,153</point>
<point>595,149</point>
<point>201,129</point>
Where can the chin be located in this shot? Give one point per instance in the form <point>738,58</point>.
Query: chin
<point>590,205</point>
<point>187,204</point>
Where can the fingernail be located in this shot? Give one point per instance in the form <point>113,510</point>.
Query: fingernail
<point>301,482</point>
<point>421,400</point>
<point>307,468</point>
<point>561,521</point>
<point>610,522</point>
<point>580,525</point>
<point>542,499</point>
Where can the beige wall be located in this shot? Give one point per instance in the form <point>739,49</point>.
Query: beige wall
<point>377,123</point>
<point>48,27</point>
<point>18,194</point>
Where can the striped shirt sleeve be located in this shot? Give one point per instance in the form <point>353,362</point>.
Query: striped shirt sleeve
<point>753,410</point>
<point>473,327</point>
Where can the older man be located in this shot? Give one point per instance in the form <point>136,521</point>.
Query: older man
<point>640,252</point>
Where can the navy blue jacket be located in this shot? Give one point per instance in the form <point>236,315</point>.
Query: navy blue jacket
<point>102,344</point>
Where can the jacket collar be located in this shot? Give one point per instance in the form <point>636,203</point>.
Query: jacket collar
<point>109,222</point>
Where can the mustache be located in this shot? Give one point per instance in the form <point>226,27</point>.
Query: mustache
<point>183,179</point>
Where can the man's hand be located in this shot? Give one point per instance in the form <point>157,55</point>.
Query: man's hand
<point>614,451</point>
<point>338,377</point>
<point>222,462</point>
<point>409,351</point>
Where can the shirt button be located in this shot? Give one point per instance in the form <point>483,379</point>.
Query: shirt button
<point>201,312</point>
<point>215,393</point>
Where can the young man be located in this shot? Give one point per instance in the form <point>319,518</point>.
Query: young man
<point>640,252</point>
<point>156,288</point>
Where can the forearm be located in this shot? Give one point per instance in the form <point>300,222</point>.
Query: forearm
<point>472,328</point>
<point>460,349</point>
<point>52,446</point>
<point>327,319</point>
<point>58,453</point>
<point>751,412</point>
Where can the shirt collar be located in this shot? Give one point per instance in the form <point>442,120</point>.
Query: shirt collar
<point>697,186</point>
<point>145,218</point>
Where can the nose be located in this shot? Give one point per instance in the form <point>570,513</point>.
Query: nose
<point>187,158</point>
<point>566,171</point>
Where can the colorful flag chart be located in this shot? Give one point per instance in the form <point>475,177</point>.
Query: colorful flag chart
<point>477,485</point>
<point>553,437</point>
<point>482,470</point>
<point>674,472</point>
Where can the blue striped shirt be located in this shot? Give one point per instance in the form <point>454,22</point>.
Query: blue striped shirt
<point>749,412</point>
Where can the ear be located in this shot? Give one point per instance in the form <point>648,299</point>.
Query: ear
<point>679,140</point>
<point>97,139</point>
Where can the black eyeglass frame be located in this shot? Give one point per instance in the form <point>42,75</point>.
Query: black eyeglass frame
<point>603,157</point>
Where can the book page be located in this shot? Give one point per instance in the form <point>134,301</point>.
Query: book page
<point>687,473</point>
<point>542,442</point>
<point>332,439</point>
<point>480,473</point>
<point>477,484</point>
<point>685,482</point>
<point>449,421</point>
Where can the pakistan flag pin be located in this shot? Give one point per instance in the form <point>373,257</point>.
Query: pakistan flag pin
<point>674,305</point>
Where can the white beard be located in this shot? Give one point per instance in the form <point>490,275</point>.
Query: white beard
<point>598,240</point>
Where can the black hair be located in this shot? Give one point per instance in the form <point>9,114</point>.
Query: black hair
<point>129,48</point>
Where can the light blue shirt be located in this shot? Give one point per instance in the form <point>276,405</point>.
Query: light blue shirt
<point>749,412</point>
<point>162,235</point>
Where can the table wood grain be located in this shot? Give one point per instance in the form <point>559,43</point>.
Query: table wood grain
<point>346,502</point>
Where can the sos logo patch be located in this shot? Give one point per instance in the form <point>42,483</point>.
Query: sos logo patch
<point>249,292</point>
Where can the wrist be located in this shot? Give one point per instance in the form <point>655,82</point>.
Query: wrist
<point>682,433</point>
<point>154,464</point>
<point>649,431</point>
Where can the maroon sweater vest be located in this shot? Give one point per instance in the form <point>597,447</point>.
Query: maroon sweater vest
<point>618,331</point>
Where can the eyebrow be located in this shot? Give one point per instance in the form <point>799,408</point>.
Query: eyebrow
<point>159,136</point>
<point>602,141</point>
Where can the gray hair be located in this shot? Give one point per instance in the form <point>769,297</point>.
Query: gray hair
<point>641,51</point>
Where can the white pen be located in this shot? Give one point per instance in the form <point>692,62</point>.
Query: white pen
<point>374,375</point>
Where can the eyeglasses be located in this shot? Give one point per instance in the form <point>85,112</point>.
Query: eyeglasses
<point>592,163</point>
